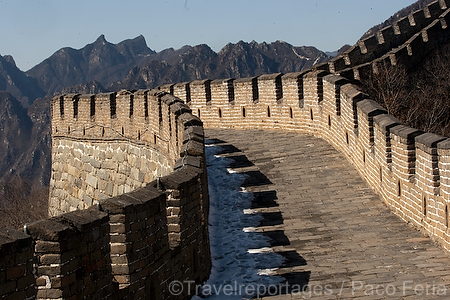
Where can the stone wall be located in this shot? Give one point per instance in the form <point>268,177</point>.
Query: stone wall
<point>407,40</point>
<point>109,144</point>
<point>132,245</point>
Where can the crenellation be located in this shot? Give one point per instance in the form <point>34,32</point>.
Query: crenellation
<point>388,38</point>
<point>420,16</point>
<point>369,47</point>
<point>182,91</point>
<point>427,162</point>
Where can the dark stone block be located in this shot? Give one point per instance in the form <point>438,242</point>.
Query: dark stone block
<point>188,160</point>
<point>270,76</point>
<point>24,240</point>
<point>428,142</point>
<point>405,132</point>
<point>178,177</point>
<point>50,230</point>
<point>122,204</point>
<point>190,120</point>
<point>371,108</point>
<point>193,148</point>
<point>444,145</point>
<point>84,220</point>
<point>335,79</point>
<point>386,122</point>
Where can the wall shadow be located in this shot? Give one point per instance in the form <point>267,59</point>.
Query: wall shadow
<point>264,204</point>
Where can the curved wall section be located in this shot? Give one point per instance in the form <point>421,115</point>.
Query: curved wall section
<point>408,168</point>
<point>109,144</point>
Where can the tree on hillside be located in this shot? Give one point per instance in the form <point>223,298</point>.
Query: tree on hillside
<point>419,97</point>
<point>21,203</point>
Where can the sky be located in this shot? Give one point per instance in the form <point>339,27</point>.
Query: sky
<point>32,30</point>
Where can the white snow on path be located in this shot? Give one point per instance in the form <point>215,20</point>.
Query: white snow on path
<point>242,260</point>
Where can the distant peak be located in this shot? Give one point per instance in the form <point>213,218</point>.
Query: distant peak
<point>101,39</point>
<point>10,59</point>
<point>139,39</point>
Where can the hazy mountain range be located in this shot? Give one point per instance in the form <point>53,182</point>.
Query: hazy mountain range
<point>103,66</point>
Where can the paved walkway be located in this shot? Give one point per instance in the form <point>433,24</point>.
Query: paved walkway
<point>339,240</point>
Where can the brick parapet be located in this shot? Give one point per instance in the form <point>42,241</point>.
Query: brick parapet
<point>108,144</point>
<point>402,164</point>
<point>402,34</point>
<point>17,262</point>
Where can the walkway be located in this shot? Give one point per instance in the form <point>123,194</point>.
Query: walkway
<point>338,238</point>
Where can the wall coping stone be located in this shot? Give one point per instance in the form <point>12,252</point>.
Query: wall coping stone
<point>444,145</point>
<point>353,92</point>
<point>295,75</point>
<point>191,120</point>
<point>181,84</point>
<point>221,81</point>
<point>179,176</point>
<point>385,122</point>
<point>178,108</point>
<point>428,142</point>
<point>336,79</point>
<point>83,220</point>
<point>200,82</point>
<point>370,107</point>
<point>194,148</point>
<point>270,76</point>
<point>12,239</point>
<point>188,161</point>
<point>246,79</point>
<point>407,133</point>
<point>49,230</point>
<point>122,204</point>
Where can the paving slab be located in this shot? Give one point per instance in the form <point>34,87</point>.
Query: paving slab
<point>339,238</point>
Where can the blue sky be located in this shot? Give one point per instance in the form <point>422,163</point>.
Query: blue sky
<point>32,30</point>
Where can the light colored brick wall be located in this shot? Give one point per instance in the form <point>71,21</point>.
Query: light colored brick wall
<point>402,164</point>
<point>108,144</point>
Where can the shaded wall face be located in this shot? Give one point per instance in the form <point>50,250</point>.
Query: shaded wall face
<point>84,172</point>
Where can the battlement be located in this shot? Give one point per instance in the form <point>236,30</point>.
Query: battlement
<point>407,167</point>
<point>408,40</point>
<point>108,144</point>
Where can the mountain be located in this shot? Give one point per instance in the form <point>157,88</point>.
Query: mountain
<point>101,61</point>
<point>233,61</point>
<point>91,87</point>
<point>132,64</point>
<point>12,80</point>
<point>15,132</point>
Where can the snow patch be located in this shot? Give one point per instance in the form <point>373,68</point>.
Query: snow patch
<point>268,272</point>
<point>231,171</point>
<point>233,230</point>
<point>261,250</point>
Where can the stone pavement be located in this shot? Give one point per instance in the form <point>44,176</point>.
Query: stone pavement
<point>338,238</point>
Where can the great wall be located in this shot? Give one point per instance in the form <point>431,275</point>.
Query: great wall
<point>129,192</point>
